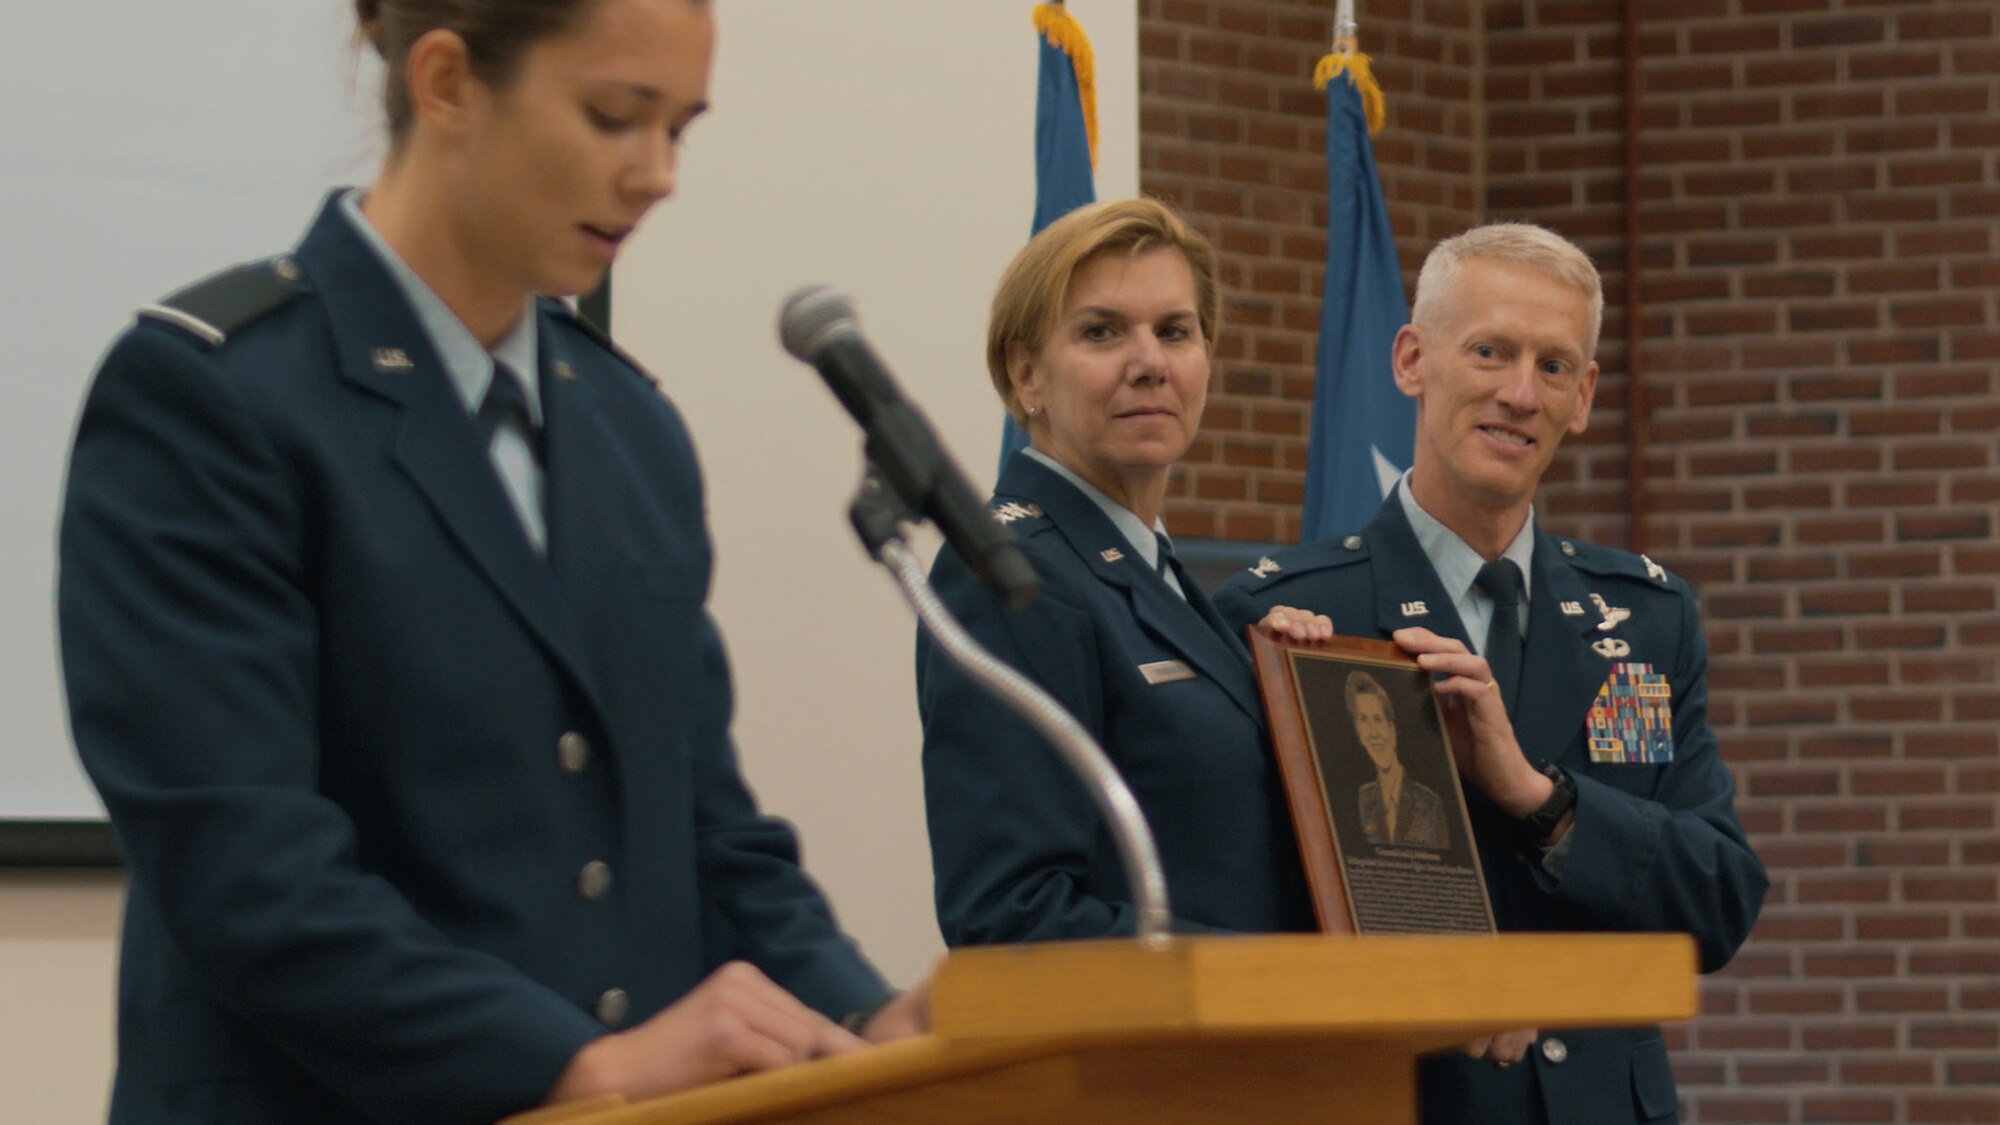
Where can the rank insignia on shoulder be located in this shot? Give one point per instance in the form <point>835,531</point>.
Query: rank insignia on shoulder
<point>1266,567</point>
<point>1111,554</point>
<point>1011,511</point>
<point>1654,570</point>
<point>223,303</point>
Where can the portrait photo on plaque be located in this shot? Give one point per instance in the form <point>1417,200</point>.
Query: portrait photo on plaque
<point>1364,749</point>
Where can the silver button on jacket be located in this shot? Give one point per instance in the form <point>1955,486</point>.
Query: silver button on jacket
<point>613,1006</point>
<point>593,880</point>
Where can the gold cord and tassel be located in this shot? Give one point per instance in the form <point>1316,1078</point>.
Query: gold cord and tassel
<point>1347,59</point>
<point>1062,31</point>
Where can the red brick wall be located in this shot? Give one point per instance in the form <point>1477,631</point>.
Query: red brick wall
<point>1822,246</point>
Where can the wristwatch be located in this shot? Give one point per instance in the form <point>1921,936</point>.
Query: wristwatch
<point>1541,824</point>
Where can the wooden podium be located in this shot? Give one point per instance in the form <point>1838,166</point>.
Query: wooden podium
<point>1235,1030</point>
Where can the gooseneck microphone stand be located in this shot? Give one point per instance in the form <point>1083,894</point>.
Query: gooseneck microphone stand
<point>882,521</point>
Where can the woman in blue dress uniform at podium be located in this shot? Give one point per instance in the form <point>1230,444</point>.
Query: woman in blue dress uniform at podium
<point>382,614</point>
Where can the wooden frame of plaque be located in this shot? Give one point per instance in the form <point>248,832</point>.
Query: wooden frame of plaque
<point>1374,863</point>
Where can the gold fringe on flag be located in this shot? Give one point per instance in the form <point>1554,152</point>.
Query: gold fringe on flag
<point>1346,59</point>
<point>1066,35</point>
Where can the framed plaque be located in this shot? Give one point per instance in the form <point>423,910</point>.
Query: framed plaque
<point>1364,748</point>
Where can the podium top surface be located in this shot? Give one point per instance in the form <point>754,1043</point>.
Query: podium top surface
<point>999,1006</point>
<point>1316,984</point>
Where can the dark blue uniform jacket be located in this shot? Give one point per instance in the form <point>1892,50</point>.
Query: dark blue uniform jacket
<point>319,677</point>
<point>1019,850</point>
<point>1654,847</point>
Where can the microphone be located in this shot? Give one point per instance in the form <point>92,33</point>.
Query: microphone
<point>817,325</point>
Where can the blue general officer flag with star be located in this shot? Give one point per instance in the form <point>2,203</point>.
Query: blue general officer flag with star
<point>1363,428</point>
<point>1063,142</point>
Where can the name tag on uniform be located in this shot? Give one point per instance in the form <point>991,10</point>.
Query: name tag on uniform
<point>1632,718</point>
<point>1166,672</point>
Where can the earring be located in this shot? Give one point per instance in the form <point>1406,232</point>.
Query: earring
<point>1034,410</point>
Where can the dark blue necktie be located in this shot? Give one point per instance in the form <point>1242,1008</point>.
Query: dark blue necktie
<point>1191,593</point>
<point>1167,565</point>
<point>506,401</point>
<point>1501,581</point>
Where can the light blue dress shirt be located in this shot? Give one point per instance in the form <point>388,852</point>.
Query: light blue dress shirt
<point>1457,565</point>
<point>1128,522</point>
<point>471,369</point>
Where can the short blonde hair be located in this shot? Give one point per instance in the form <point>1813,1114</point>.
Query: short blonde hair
<point>1517,244</point>
<point>1360,683</point>
<point>1030,298</point>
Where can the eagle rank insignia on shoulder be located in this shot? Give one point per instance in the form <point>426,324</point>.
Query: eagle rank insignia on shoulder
<point>1011,511</point>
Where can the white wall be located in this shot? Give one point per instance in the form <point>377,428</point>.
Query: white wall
<point>141,153</point>
<point>58,946</point>
<point>889,153</point>
<point>138,156</point>
<point>884,147</point>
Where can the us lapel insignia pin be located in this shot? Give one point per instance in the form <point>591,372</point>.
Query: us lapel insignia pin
<point>1654,570</point>
<point>1111,554</point>
<point>1572,609</point>
<point>1611,648</point>
<point>392,359</point>
<point>1415,609</point>
<point>1613,615</point>
<point>1266,567</point>
<point>563,371</point>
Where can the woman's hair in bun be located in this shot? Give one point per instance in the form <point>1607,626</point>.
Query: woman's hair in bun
<point>368,22</point>
<point>496,34</point>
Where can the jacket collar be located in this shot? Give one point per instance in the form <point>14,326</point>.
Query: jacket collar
<point>382,349</point>
<point>1407,590</point>
<point>1191,628</point>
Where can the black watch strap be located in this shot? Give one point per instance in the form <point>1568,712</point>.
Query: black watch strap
<point>1541,824</point>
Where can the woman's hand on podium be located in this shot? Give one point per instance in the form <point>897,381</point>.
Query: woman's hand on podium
<point>908,1014</point>
<point>735,1022</point>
